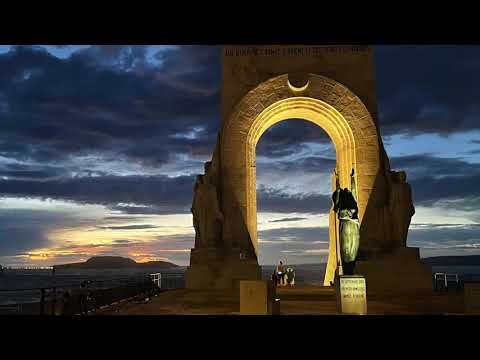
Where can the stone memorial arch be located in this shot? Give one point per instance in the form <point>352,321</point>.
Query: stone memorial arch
<point>335,90</point>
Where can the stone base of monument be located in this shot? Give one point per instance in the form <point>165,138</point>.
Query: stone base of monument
<point>258,298</point>
<point>401,272</point>
<point>209,269</point>
<point>351,294</point>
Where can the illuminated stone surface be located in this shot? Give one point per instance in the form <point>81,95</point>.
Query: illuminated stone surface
<point>334,88</point>
<point>352,295</point>
<point>256,297</point>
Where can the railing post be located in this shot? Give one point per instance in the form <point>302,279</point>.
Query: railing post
<point>42,302</point>
<point>54,302</point>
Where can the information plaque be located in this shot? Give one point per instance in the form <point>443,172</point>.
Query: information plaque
<point>352,295</point>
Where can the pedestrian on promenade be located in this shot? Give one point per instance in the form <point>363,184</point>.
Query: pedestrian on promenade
<point>281,273</point>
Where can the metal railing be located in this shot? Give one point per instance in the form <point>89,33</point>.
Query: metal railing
<point>156,279</point>
<point>88,296</point>
<point>442,280</point>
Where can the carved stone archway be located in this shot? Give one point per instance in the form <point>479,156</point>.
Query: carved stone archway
<point>322,101</point>
<point>383,200</point>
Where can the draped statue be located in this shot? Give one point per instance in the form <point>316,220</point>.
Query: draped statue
<point>345,206</point>
<point>207,217</point>
<point>400,206</point>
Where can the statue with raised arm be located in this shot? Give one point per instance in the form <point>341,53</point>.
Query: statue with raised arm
<point>345,206</point>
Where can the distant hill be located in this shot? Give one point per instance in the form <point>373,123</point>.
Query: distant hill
<point>470,260</point>
<point>115,262</point>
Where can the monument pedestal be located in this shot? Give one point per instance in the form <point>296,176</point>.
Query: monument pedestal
<point>258,298</point>
<point>351,294</point>
<point>210,269</point>
<point>400,272</point>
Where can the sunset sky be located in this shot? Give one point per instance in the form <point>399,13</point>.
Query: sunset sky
<point>100,145</point>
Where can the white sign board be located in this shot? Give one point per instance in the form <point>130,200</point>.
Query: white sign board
<point>353,295</point>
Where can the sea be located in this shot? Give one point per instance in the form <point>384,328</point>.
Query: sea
<point>24,285</point>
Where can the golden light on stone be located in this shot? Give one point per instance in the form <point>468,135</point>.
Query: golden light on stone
<point>298,90</point>
<point>336,91</point>
<point>341,131</point>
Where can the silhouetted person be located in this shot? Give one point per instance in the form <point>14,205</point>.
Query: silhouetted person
<point>281,273</point>
<point>275,277</point>
<point>91,300</point>
<point>82,298</point>
<point>67,303</point>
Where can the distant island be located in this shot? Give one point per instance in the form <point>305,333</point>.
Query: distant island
<point>115,262</point>
<point>469,260</point>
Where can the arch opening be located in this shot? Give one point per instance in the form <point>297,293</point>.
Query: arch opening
<point>295,159</point>
<point>336,127</point>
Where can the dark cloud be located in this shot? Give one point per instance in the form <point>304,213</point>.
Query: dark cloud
<point>123,218</point>
<point>24,229</point>
<point>146,194</point>
<point>445,182</point>
<point>290,137</point>
<point>89,102</point>
<point>22,171</point>
<point>428,165</point>
<point>122,241</point>
<point>435,236</point>
<point>293,245</point>
<point>156,110</point>
<point>295,234</point>
<point>274,200</point>
<point>440,225</point>
<point>310,164</point>
<point>427,89</point>
<point>460,193</point>
<point>129,227</point>
<point>288,219</point>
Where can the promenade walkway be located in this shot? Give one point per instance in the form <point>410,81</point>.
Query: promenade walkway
<point>300,300</point>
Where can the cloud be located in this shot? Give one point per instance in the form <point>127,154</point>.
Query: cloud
<point>130,194</point>
<point>290,137</point>
<point>428,165</point>
<point>277,201</point>
<point>24,229</point>
<point>288,219</point>
<point>444,182</point>
<point>293,234</point>
<point>129,227</point>
<point>56,108</point>
<point>439,237</point>
<point>427,89</point>
<point>105,124</point>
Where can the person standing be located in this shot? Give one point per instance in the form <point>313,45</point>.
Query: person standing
<point>281,273</point>
<point>275,277</point>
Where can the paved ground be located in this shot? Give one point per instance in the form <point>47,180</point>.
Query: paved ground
<point>305,300</point>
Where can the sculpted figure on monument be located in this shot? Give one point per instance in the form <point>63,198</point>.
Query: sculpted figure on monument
<point>345,205</point>
<point>400,206</point>
<point>196,208</point>
<point>207,218</point>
